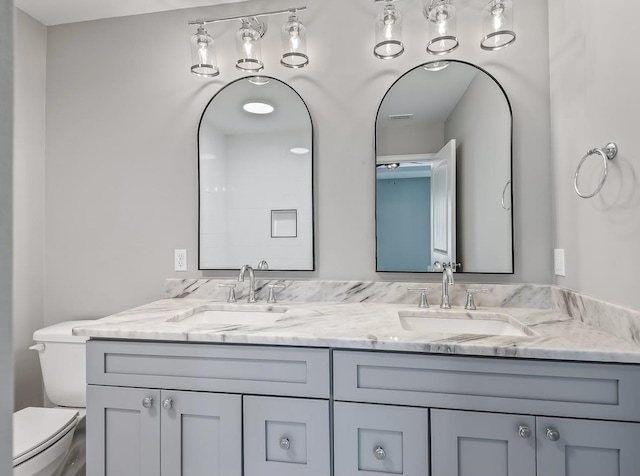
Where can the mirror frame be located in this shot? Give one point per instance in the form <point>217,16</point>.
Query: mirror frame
<point>375,158</point>
<point>313,166</point>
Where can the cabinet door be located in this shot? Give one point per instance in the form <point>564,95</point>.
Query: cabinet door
<point>482,444</point>
<point>373,440</point>
<point>123,431</point>
<point>286,437</point>
<point>568,447</point>
<point>201,434</point>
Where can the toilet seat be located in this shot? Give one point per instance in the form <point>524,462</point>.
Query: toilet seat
<point>36,429</point>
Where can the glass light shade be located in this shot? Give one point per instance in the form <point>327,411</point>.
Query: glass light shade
<point>388,34</point>
<point>497,25</point>
<point>203,54</point>
<point>442,28</point>
<point>294,44</point>
<point>249,50</point>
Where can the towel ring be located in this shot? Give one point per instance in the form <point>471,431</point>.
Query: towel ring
<point>607,153</point>
<point>504,190</point>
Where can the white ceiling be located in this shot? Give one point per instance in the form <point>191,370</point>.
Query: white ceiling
<point>430,96</point>
<point>56,12</point>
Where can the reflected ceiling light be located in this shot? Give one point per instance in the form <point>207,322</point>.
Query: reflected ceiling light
<point>436,65</point>
<point>299,150</point>
<point>248,44</point>
<point>388,33</point>
<point>395,165</point>
<point>294,43</point>
<point>258,80</point>
<point>258,108</point>
<point>441,16</point>
<point>497,25</point>
<point>203,54</point>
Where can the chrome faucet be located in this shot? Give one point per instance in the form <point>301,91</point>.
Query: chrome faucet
<point>252,281</point>
<point>447,280</point>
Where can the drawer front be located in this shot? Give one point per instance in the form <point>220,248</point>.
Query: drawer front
<point>286,436</point>
<point>374,440</point>
<point>584,390</point>
<point>210,367</point>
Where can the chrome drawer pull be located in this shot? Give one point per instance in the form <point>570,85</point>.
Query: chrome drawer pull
<point>379,453</point>
<point>285,444</point>
<point>553,434</point>
<point>147,402</point>
<point>524,431</point>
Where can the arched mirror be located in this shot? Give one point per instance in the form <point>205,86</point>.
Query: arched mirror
<point>255,171</point>
<point>443,171</point>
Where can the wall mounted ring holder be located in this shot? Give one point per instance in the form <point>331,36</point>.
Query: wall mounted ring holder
<point>504,191</point>
<point>607,153</point>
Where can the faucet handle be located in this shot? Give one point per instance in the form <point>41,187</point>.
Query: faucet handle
<point>263,265</point>
<point>272,292</point>
<point>454,266</point>
<point>471,304</point>
<point>423,296</point>
<point>438,266</point>
<point>232,291</point>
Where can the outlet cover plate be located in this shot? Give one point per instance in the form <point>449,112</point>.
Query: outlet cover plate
<point>180,260</point>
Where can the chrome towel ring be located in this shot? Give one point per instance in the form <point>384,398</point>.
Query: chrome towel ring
<point>607,153</point>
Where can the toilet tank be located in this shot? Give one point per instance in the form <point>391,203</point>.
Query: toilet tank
<point>63,363</point>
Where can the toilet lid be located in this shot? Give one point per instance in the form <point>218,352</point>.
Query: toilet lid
<point>35,429</point>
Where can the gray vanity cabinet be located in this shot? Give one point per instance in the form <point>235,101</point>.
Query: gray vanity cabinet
<point>587,448</point>
<point>142,432</point>
<point>123,436</point>
<point>482,444</point>
<point>492,444</point>
<point>286,436</point>
<point>374,440</point>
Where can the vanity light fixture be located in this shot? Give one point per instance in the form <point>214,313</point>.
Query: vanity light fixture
<point>248,44</point>
<point>248,39</point>
<point>294,43</point>
<point>203,54</point>
<point>258,108</point>
<point>299,150</point>
<point>388,33</point>
<point>497,25</point>
<point>441,16</point>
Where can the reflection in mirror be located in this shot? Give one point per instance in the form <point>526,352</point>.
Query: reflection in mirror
<point>255,145</point>
<point>443,159</point>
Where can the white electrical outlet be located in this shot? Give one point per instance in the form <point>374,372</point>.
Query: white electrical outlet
<point>180,260</point>
<point>558,262</point>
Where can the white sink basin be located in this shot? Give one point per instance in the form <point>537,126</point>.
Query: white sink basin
<point>231,314</point>
<point>462,322</point>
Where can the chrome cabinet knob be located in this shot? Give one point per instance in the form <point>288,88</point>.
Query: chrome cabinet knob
<point>524,431</point>
<point>553,434</point>
<point>147,402</point>
<point>167,404</point>
<point>285,444</point>
<point>379,453</point>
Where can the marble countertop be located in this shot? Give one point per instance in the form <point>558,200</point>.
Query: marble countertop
<point>367,326</point>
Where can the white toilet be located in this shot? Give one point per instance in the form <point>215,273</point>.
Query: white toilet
<point>50,441</point>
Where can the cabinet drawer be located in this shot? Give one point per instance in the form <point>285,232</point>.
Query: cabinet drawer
<point>210,367</point>
<point>286,436</point>
<point>573,389</point>
<point>380,439</point>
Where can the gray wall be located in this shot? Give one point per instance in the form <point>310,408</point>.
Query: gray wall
<point>122,113</point>
<point>6,152</point>
<point>28,204</point>
<point>595,99</point>
<point>481,126</point>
